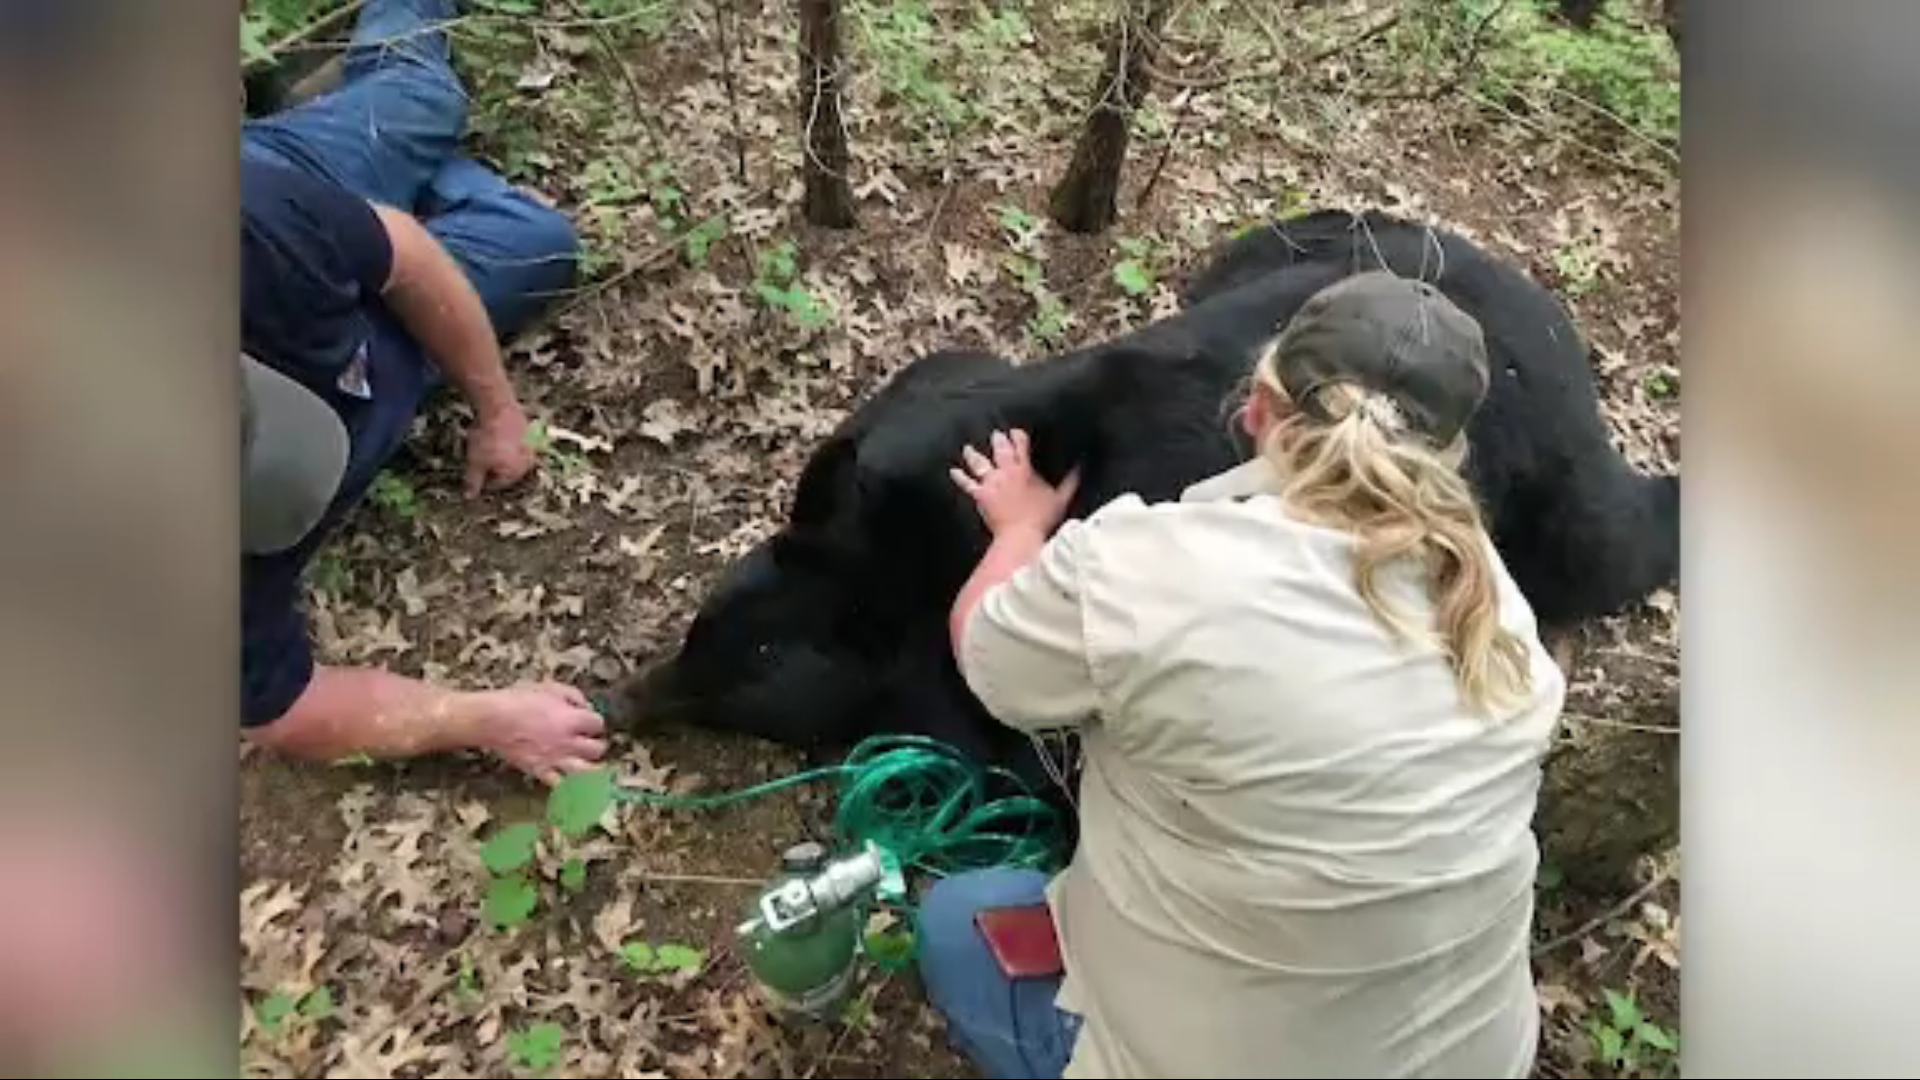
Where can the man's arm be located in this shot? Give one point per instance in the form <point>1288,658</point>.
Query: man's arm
<point>430,293</point>
<point>346,712</point>
<point>291,704</point>
<point>544,729</point>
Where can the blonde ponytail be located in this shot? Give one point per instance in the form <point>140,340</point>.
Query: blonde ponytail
<point>1366,473</point>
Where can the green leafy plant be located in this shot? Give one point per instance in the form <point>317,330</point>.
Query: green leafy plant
<point>253,40</point>
<point>907,46</point>
<point>277,1011</point>
<point>328,571</point>
<point>700,239</point>
<point>649,17</point>
<point>1579,266</point>
<point>510,855</point>
<point>670,958</point>
<point>394,492</point>
<point>664,192</point>
<point>537,1047</point>
<point>778,286</point>
<point>567,463</point>
<point>1623,72</point>
<point>890,948</point>
<point>1025,262</point>
<point>1138,270</point>
<point>267,21</point>
<point>1627,1042</point>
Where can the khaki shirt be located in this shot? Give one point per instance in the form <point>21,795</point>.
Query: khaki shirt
<point>1300,855</point>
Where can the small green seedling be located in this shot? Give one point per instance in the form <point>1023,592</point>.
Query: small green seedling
<point>536,1048</point>
<point>1626,1041</point>
<point>574,807</point>
<point>665,959</point>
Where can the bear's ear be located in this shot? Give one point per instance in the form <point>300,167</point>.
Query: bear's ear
<point>828,486</point>
<point>1069,416</point>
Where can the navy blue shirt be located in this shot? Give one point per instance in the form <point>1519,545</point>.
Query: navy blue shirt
<point>314,259</point>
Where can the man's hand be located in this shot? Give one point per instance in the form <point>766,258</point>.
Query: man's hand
<point>499,454</point>
<point>430,293</point>
<point>543,729</point>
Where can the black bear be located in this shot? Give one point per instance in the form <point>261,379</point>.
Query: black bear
<point>835,628</point>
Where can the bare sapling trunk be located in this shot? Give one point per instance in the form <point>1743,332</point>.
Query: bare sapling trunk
<point>829,195</point>
<point>1087,198</point>
<point>1579,14</point>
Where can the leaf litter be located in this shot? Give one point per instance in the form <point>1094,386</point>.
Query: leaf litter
<point>677,407</point>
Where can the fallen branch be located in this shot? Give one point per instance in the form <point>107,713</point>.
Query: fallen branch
<point>647,261</point>
<point>1624,725</point>
<point>297,38</point>
<point>1665,875</point>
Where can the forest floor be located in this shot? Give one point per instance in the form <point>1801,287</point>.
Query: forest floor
<point>679,400</point>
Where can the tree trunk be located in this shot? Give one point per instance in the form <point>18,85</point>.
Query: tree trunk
<point>1580,13</point>
<point>823,141</point>
<point>1087,198</point>
<point>1610,795</point>
<point>1670,18</point>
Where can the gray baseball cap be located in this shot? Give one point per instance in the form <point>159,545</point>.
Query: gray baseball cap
<point>1394,335</point>
<point>293,455</point>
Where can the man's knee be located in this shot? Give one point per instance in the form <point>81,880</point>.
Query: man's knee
<point>947,910</point>
<point>546,232</point>
<point>519,253</point>
<point>472,206</point>
<point>543,244</point>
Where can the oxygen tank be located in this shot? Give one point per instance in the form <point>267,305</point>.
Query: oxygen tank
<point>801,935</point>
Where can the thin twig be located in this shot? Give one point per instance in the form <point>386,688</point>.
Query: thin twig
<point>929,232</point>
<point>1180,114</point>
<point>1266,26</point>
<point>720,10</point>
<point>647,261</point>
<point>1476,41</point>
<point>1614,912</point>
<point>423,997</point>
<point>697,879</point>
<point>840,1039</point>
<point>1538,128</point>
<point>1648,140</point>
<point>641,114</point>
<point>1601,721</point>
<point>296,38</point>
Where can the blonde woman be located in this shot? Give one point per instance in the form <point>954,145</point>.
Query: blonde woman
<point>1313,706</point>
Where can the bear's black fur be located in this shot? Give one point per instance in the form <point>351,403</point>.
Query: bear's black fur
<point>835,628</point>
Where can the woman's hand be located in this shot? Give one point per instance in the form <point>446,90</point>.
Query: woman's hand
<point>1008,493</point>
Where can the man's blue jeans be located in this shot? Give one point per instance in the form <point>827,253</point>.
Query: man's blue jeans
<point>391,133</point>
<point>1008,1027</point>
